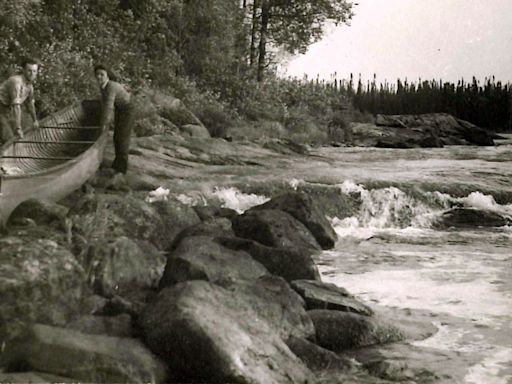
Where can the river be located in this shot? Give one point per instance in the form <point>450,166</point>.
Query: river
<point>389,253</point>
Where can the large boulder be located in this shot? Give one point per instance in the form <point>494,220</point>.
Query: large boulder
<point>117,326</point>
<point>176,216</point>
<point>274,228</point>
<point>207,212</point>
<point>318,359</point>
<point>320,295</point>
<point>338,331</point>
<point>474,134</point>
<point>195,130</point>
<point>273,299</point>
<point>120,265</point>
<point>110,216</point>
<point>288,263</point>
<point>161,109</point>
<point>154,125</point>
<point>471,218</point>
<point>218,226</point>
<point>307,211</point>
<point>40,212</point>
<point>89,358</point>
<point>201,258</point>
<point>207,333</point>
<point>40,280</point>
<point>175,111</point>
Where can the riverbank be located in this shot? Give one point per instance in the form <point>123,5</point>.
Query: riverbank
<point>117,245</point>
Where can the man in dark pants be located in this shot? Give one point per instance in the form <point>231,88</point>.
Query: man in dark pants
<point>116,106</point>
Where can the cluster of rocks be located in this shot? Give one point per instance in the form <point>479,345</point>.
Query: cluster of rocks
<point>116,289</point>
<point>160,113</point>
<point>426,130</point>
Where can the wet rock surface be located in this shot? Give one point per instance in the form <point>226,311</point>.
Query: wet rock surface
<point>472,218</point>
<point>319,295</point>
<point>207,333</point>
<point>290,264</point>
<point>274,228</point>
<point>232,309</point>
<point>339,331</point>
<point>91,358</point>
<point>201,258</point>
<point>306,210</point>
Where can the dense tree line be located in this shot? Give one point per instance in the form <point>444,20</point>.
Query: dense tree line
<point>486,104</point>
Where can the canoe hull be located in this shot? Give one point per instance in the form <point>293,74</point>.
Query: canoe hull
<point>52,183</point>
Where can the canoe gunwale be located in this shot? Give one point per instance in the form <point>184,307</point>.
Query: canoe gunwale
<point>65,164</point>
<point>100,141</point>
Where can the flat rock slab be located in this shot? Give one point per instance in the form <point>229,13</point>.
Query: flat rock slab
<point>320,295</point>
<point>206,333</point>
<point>89,358</point>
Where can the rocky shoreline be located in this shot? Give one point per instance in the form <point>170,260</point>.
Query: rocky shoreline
<point>114,284</point>
<point>109,287</point>
<point>122,290</point>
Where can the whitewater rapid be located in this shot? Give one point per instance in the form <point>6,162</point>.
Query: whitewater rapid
<point>390,252</point>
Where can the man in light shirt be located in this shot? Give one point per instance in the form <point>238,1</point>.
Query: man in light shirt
<point>14,92</point>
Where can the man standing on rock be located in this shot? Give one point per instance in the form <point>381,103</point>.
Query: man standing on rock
<point>15,91</point>
<point>116,107</point>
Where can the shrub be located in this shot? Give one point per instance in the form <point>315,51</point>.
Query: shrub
<point>216,120</point>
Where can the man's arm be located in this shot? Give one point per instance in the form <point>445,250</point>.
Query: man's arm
<point>16,110</point>
<point>15,94</point>
<point>32,110</point>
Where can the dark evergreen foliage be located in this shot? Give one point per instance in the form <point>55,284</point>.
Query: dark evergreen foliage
<point>487,105</point>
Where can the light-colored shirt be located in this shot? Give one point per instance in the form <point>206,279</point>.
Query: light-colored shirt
<point>113,95</point>
<point>16,90</point>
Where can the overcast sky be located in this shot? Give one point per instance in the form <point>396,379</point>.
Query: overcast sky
<point>446,39</point>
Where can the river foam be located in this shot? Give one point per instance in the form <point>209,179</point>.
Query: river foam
<point>389,253</point>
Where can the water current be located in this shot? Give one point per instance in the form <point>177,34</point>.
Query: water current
<point>389,253</point>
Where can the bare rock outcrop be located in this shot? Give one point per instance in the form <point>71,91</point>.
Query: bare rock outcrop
<point>207,333</point>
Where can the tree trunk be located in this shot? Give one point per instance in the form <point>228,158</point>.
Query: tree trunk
<point>265,15</point>
<point>510,110</point>
<point>253,53</point>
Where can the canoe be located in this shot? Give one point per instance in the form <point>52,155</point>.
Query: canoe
<point>54,160</point>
